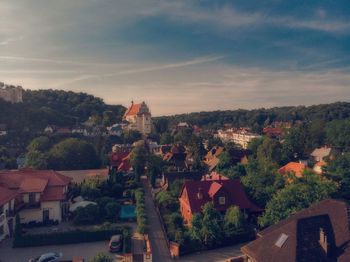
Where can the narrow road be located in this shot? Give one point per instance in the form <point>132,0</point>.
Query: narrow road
<point>160,251</point>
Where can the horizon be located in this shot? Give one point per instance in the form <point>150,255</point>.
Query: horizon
<point>213,55</point>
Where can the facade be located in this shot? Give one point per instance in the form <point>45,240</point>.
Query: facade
<point>222,193</point>
<point>318,233</point>
<point>40,195</point>
<point>139,118</point>
<point>13,94</point>
<point>239,136</point>
<point>319,154</point>
<point>7,205</point>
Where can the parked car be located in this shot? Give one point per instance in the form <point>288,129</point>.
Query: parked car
<point>47,257</point>
<point>115,243</point>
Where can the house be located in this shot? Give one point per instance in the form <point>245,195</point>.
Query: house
<point>214,176</point>
<point>318,167</point>
<point>318,233</point>
<point>120,158</point>
<point>10,93</point>
<point>7,208</point>
<point>319,154</point>
<point>41,195</point>
<point>169,177</point>
<point>115,130</point>
<point>139,118</point>
<point>274,132</point>
<point>239,136</point>
<point>176,157</point>
<point>3,130</point>
<point>49,129</point>
<point>222,193</point>
<point>293,168</point>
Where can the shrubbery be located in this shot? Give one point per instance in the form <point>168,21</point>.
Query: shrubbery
<point>141,217</point>
<point>61,238</point>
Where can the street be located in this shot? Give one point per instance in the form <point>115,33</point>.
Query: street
<point>160,251</point>
<point>86,250</point>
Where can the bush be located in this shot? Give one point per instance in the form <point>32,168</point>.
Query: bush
<point>126,241</point>
<point>87,215</point>
<point>61,238</point>
<point>141,217</point>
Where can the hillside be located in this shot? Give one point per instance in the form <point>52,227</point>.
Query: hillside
<point>56,107</point>
<point>261,117</point>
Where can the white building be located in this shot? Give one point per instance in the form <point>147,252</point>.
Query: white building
<point>139,118</point>
<point>7,205</point>
<point>13,94</point>
<point>240,137</point>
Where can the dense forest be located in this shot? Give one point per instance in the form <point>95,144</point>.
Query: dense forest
<point>56,107</point>
<point>258,118</point>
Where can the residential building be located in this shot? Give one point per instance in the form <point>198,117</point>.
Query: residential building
<point>319,154</point>
<point>7,208</point>
<point>318,233</point>
<point>239,136</point>
<point>318,167</point>
<point>293,168</point>
<point>12,94</point>
<point>139,118</point>
<point>222,193</point>
<point>120,158</point>
<point>41,195</point>
<point>176,158</point>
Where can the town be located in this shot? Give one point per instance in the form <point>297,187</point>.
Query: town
<point>81,180</point>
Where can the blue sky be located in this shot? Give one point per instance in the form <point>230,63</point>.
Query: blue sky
<point>181,56</point>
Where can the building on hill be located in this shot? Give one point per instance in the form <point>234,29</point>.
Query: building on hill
<point>239,136</point>
<point>9,93</point>
<point>319,154</point>
<point>294,168</point>
<point>222,193</point>
<point>41,196</point>
<point>318,233</point>
<point>139,118</point>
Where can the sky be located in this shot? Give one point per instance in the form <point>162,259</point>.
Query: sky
<point>180,56</point>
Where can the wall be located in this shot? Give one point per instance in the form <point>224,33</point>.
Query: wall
<point>36,214</point>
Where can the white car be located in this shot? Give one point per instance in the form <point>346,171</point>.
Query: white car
<point>47,257</point>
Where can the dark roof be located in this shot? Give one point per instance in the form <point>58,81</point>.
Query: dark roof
<point>233,188</point>
<point>187,175</point>
<point>303,231</point>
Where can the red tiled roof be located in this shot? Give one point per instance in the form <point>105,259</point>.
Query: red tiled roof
<point>54,193</point>
<point>214,176</point>
<point>118,157</point>
<point>132,110</point>
<point>293,167</point>
<point>300,237</point>
<point>232,187</point>
<point>33,185</point>
<point>6,195</point>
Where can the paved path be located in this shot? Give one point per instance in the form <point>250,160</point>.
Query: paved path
<point>86,250</point>
<point>215,255</point>
<point>160,251</point>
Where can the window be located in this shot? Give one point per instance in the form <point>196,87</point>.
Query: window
<point>281,240</point>
<point>2,231</point>
<point>222,200</point>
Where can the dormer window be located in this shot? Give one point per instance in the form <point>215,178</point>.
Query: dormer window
<point>222,200</point>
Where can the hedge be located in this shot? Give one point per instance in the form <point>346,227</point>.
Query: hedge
<point>126,241</point>
<point>141,216</point>
<point>70,237</point>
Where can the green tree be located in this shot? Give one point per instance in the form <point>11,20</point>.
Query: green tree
<point>234,221</point>
<point>196,226</point>
<point>155,168</point>
<point>338,133</point>
<point>73,154</point>
<point>112,211</point>
<point>37,159</point>
<point>166,138</point>
<point>139,158</point>
<point>87,215</point>
<point>297,196</point>
<point>101,257</point>
<point>41,144</point>
<point>211,230</point>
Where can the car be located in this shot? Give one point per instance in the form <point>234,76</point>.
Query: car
<point>47,257</point>
<point>115,243</point>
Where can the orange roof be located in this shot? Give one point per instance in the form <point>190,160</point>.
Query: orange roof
<point>321,163</point>
<point>54,193</point>
<point>214,188</point>
<point>133,110</point>
<point>33,185</point>
<point>293,167</point>
<point>6,195</point>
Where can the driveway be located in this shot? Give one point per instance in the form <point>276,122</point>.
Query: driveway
<point>86,250</point>
<point>215,255</point>
<point>160,251</point>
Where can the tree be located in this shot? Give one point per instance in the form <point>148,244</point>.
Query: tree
<point>210,231</point>
<point>155,167</point>
<point>297,196</point>
<point>101,257</point>
<point>262,180</point>
<point>73,154</point>
<point>234,221</point>
<point>87,215</point>
<point>338,170</point>
<point>161,125</point>
<point>338,133</point>
<point>196,226</point>
<point>166,138</point>
<point>132,136</point>
<point>112,210</point>
<point>37,159</point>
<point>138,158</point>
<point>41,144</point>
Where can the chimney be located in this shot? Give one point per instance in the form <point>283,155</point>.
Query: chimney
<point>200,194</point>
<point>324,241</point>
